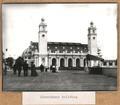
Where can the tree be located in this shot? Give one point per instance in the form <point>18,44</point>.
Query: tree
<point>10,61</point>
<point>20,61</point>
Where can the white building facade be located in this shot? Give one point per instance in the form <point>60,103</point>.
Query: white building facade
<point>62,54</point>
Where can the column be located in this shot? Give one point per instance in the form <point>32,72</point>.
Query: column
<point>81,62</point>
<point>107,64</point>
<point>50,61</point>
<point>66,62</point>
<point>39,63</point>
<point>113,64</point>
<point>74,61</point>
<point>58,62</point>
<point>35,59</point>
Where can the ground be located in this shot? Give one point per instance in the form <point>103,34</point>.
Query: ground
<point>64,80</point>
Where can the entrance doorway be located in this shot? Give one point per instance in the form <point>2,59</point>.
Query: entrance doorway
<point>62,63</point>
<point>53,61</point>
<point>77,62</point>
<point>69,62</point>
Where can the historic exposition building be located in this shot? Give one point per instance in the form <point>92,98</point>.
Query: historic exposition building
<point>63,54</point>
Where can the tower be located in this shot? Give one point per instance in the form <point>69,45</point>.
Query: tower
<point>42,43</point>
<point>92,39</point>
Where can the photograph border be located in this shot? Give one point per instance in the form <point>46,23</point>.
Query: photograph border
<point>104,95</point>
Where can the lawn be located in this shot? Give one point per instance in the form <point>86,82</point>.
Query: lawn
<point>64,80</point>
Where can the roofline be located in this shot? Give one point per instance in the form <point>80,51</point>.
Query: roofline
<point>111,60</point>
<point>67,43</point>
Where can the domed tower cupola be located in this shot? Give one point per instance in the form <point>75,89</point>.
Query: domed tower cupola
<point>43,26</point>
<point>91,29</point>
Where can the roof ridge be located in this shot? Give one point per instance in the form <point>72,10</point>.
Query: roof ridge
<point>50,42</point>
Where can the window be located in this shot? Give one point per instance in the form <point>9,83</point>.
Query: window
<point>43,60</point>
<point>29,57</point>
<point>61,51</point>
<point>29,52</point>
<point>93,37</point>
<point>110,63</point>
<point>68,51</point>
<point>105,63</point>
<point>43,35</point>
<point>52,51</point>
<point>116,62</point>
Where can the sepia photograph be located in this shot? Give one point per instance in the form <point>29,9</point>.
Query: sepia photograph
<point>59,47</point>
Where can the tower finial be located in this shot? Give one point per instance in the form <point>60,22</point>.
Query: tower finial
<point>42,26</point>
<point>91,23</point>
<point>92,28</point>
<point>42,19</point>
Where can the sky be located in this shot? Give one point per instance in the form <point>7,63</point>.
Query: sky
<point>66,23</point>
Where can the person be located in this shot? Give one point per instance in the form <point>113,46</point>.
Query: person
<point>57,69</point>
<point>42,68</point>
<point>14,68</point>
<point>53,68</point>
<point>5,68</point>
<point>25,68</point>
<point>19,64</point>
<point>33,70</point>
<point>19,67</point>
<point>46,69</point>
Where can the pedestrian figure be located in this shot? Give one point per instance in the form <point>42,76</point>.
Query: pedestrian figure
<point>19,67</point>
<point>42,68</point>
<point>19,64</point>
<point>57,69</point>
<point>53,68</point>
<point>15,68</point>
<point>25,68</point>
<point>46,69</point>
<point>5,68</point>
<point>33,70</point>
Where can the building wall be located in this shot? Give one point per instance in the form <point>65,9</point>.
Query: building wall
<point>66,60</point>
<point>92,44</point>
<point>65,54</point>
<point>110,63</point>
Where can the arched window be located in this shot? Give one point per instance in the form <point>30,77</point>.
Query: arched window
<point>69,62</point>
<point>77,62</point>
<point>93,37</point>
<point>62,62</point>
<point>43,35</point>
<point>53,61</point>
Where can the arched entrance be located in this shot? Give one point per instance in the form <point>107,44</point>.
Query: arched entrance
<point>62,62</point>
<point>53,61</point>
<point>69,62</point>
<point>77,62</point>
